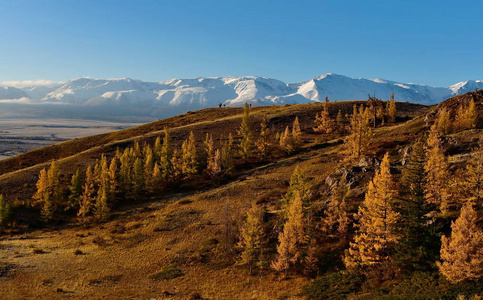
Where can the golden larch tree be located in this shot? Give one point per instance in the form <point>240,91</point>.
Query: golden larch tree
<point>263,142</point>
<point>459,120</point>
<point>339,122</point>
<point>360,133</point>
<point>114,178</point>
<point>296,133</point>
<point>472,180</point>
<point>246,134</point>
<point>177,166</point>
<point>157,149</point>
<point>443,121</point>
<point>324,123</point>
<point>298,184</point>
<point>286,141</point>
<point>148,170</point>
<point>466,117</point>
<point>189,156</point>
<point>88,196</point>
<point>75,188</point>
<point>292,237</point>
<point>376,233</point>
<point>207,153</point>
<point>54,182</point>
<point>251,235</point>
<point>104,180</point>
<point>125,172</point>
<point>157,178</point>
<point>336,220</point>
<point>437,173</point>
<point>46,187</point>
<point>391,110</point>
<point>214,164</point>
<point>471,115</point>
<point>165,156</point>
<point>227,160</point>
<point>462,252</point>
<point>101,208</point>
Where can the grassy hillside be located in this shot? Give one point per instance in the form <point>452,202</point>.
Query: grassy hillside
<point>19,173</point>
<point>183,243</point>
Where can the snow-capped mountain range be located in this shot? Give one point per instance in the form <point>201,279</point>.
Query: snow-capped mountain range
<point>191,94</point>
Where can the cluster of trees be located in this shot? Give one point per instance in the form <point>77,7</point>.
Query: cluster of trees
<point>295,247</point>
<point>144,169</point>
<point>375,112</point>
<point>398,226</point>
<point>360,123</point>
<point>464,118</point>
<point>137,171</point>
<point>290,140</point>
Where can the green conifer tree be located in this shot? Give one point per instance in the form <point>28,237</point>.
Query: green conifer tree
<point>418,243</point>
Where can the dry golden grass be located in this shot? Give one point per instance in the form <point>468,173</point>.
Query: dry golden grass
<point>183,230</point>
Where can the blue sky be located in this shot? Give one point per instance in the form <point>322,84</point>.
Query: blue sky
<point>432,42</point>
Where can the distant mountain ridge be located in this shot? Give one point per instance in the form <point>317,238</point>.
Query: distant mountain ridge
<point>191,94</point>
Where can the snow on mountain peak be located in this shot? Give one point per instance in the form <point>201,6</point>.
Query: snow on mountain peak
<point>466,86</point>
<point>328,75</point>
<point>191,94</point>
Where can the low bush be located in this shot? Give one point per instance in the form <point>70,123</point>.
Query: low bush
<point>333,286</point>
<point>167,273</point>
<point>421,285</point>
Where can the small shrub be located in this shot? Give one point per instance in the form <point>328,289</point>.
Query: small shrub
<point>78,252</point>
<point>99,241</point>
<point>4,269</point>
<point>333,286</point>
<point>167,273</point>
<point>421,285</point>
<point>196,296</point>
<point>38,251</point>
